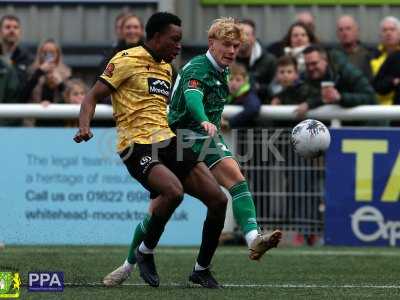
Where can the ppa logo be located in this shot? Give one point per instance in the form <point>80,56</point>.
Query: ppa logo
<point>46,281</point>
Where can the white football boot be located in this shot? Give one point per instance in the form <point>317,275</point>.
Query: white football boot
<point>117,276</point>
<point>264,242</point>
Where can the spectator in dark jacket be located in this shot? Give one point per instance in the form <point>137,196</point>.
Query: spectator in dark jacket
<point>10,34</point>
<point>259,64</point>
<point>292,90</point>
<point>347,31</point>
<point>47,82</point>
<point>49,74</point>
<point>387,81</point>
<point>390,42</point>
<point>9,85</point>
<point>242,94</point>
<point>348,86</point>
<point>388,77</point>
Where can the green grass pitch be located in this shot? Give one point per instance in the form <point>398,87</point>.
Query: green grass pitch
<point>284,273</point>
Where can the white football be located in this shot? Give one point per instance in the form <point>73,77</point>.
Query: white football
<point>310,138</point>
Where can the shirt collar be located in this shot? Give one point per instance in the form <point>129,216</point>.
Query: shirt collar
<point>152,53</point>
<point>213,62</point>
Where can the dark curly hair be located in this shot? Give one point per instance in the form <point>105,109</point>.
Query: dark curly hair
<point>159,22</point>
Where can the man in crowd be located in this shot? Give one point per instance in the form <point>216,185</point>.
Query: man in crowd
<point>390,43</point>
<point>259,63</point>
<point>12,52</point>
<point>347,86</point>
<point>348,34</point>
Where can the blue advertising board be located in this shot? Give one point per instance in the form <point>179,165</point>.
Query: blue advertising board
<point>363,188</point>
<point>54,191</point>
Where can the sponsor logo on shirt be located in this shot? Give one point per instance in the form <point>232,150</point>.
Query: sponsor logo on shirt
<point>193,84</point>
<point>158,86</point>
<point>145,160</point>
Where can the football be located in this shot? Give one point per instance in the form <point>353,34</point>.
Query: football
<point>310,138</point>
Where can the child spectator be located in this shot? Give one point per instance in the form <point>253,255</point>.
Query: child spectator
<point>290,90</point>
<point>74,93</point>
<point>242,94</point>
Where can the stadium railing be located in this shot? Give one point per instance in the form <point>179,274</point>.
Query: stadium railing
<point>288,194</point>
<point>333,113</point>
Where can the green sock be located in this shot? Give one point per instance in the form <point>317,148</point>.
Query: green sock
<point>138,238</point>
<point>243,207</point>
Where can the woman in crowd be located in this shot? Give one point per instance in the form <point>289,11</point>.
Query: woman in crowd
<point>48,75</point>
<point>132,33</point>
<point>298,37</point>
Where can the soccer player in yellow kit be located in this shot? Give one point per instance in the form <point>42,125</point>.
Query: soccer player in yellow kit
<point>139,81</point>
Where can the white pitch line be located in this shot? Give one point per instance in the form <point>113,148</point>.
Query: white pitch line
<point>233,285</point>
<point>285,252</point>
<point>241,251</point>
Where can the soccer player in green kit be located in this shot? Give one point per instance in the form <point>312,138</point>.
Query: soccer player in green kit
<point>195,110</point>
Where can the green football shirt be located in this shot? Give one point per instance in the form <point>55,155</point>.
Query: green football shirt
<point>203,75</point>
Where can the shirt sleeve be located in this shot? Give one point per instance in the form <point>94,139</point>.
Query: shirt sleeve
<point>194,102</point>
<point>118,70</point>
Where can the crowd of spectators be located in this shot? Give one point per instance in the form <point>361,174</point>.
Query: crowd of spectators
<point>297,70</point>
<point>309,73</point>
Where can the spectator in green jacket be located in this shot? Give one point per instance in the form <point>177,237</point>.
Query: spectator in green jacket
<point>347,86</point>
<point>348,34</point>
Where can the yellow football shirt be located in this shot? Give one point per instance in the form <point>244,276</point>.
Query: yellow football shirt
<point>141,86</point>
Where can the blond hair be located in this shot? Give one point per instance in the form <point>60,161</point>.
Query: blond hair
<point>225,28</point>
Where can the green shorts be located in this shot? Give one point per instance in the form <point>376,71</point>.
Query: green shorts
<point>211,150</point>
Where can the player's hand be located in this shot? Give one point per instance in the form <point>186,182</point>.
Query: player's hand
<point>83,134</point>
<point>210,128</point>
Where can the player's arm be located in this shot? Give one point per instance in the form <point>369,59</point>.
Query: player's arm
<point>99,91</point>
<point>194,102</point>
